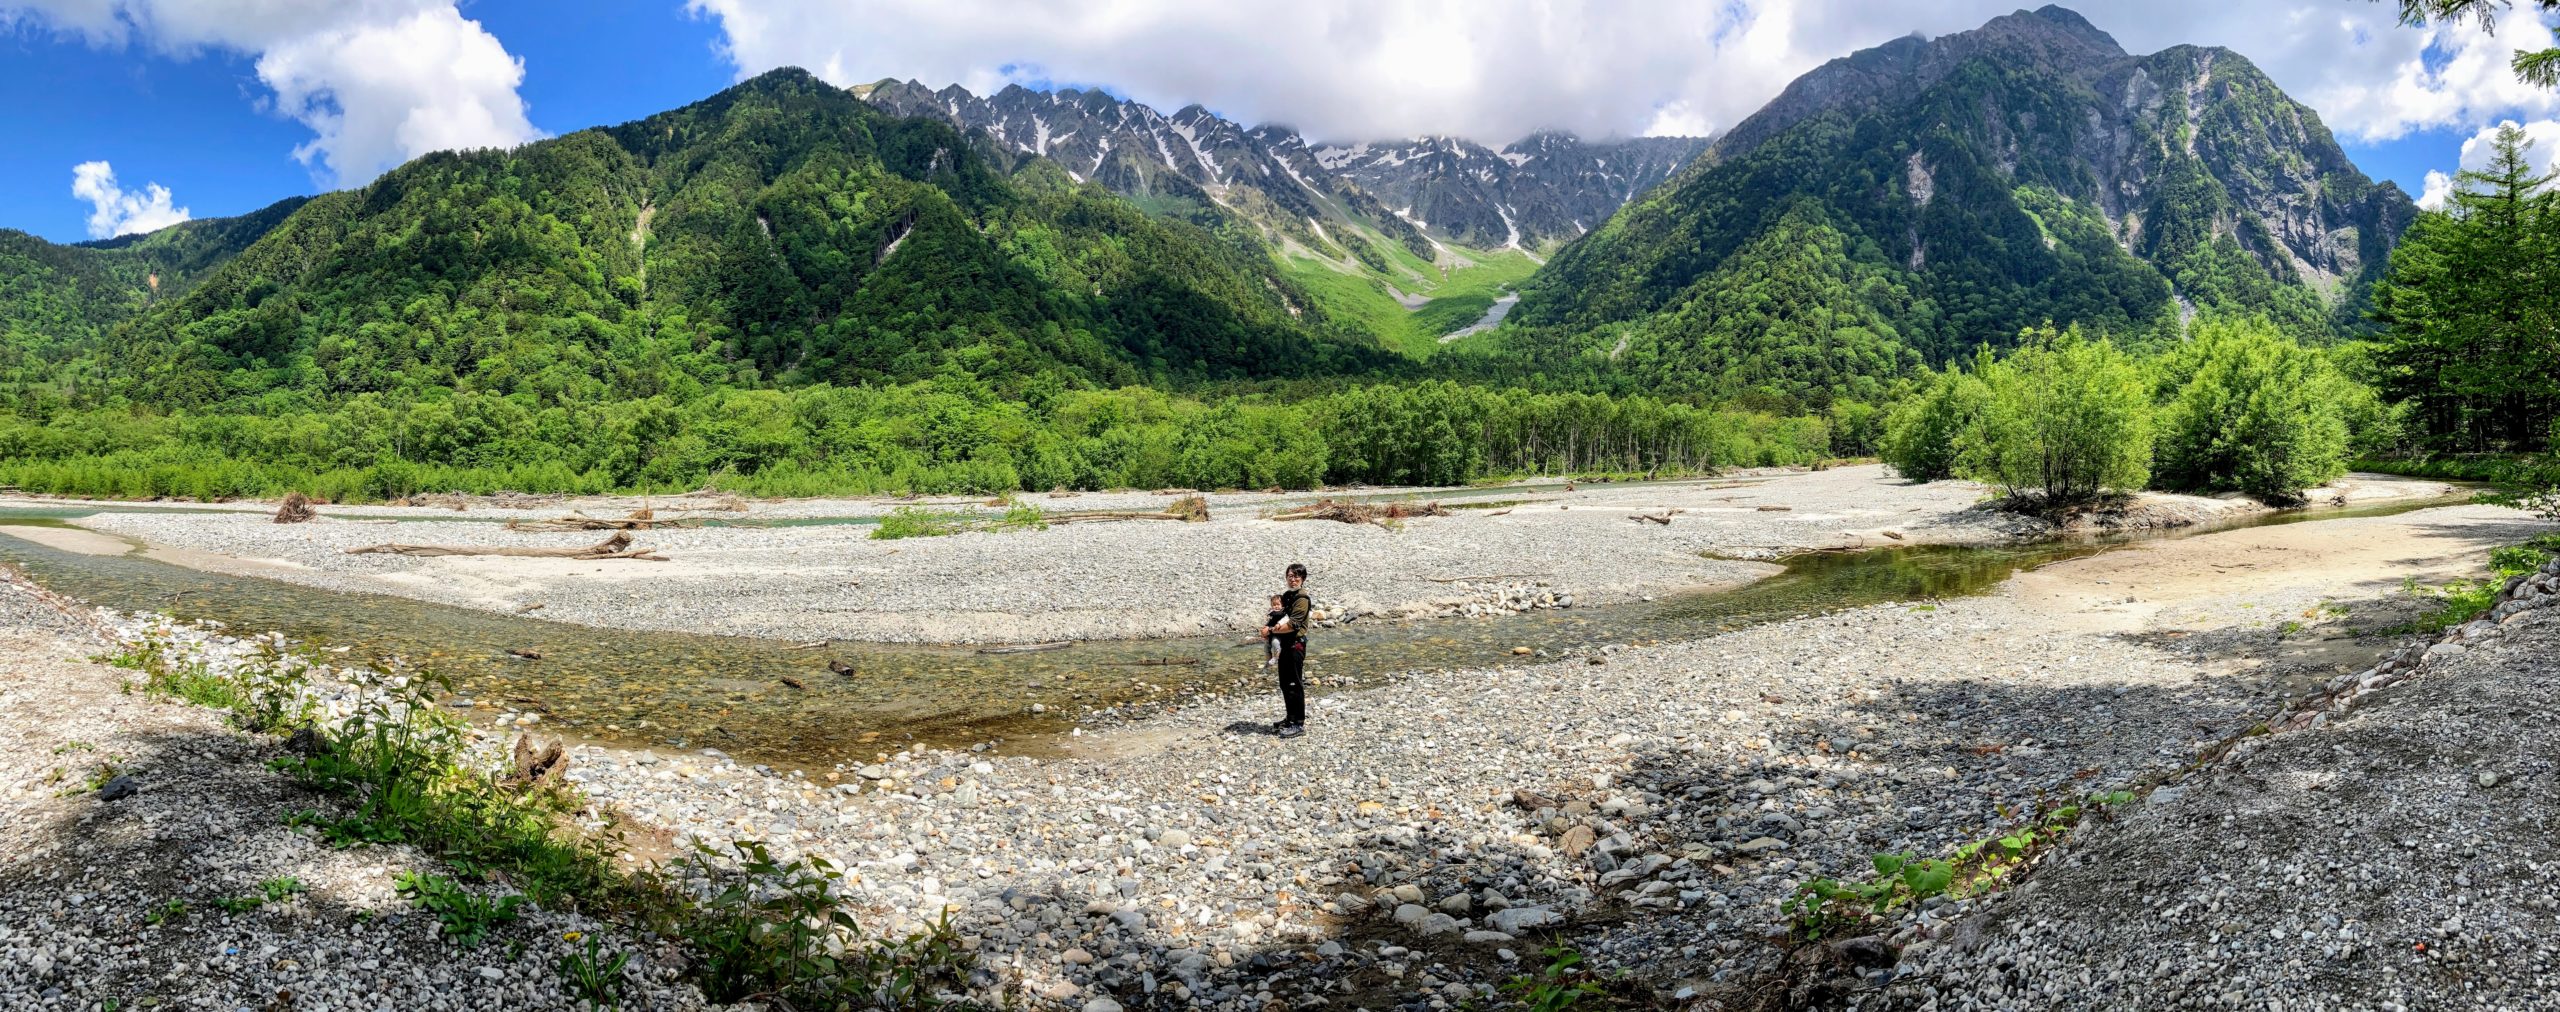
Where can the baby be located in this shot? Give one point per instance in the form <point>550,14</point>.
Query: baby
<point>1270,646</point>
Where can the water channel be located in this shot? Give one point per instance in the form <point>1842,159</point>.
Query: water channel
<point>697,691</point>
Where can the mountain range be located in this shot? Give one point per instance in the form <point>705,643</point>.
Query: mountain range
<point>1910,201</point>
<point>1896,206</point>
<point>1538,192</point>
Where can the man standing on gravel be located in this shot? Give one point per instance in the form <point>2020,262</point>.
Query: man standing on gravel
<point>1291,633</point>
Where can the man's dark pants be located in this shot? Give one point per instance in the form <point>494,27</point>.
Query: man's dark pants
<point>1293,681</point>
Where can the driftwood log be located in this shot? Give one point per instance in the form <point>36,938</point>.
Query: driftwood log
<point>639,520</point>
<point>537,766</point>
<point>1190,509</point>
<point>1025,648</point>
<point>1361,512</point>
<point>616,547</point>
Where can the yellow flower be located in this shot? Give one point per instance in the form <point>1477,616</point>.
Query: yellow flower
<point>572,935</point>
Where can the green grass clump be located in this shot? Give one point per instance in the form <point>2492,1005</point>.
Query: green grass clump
<point>2463,600</point>
<point>1825,907</point>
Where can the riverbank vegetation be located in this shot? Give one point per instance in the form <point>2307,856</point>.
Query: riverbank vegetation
<point>2238,406</point>
<point>390,766</point>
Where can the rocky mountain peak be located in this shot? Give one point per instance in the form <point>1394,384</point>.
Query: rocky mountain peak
<point>1539,191</point>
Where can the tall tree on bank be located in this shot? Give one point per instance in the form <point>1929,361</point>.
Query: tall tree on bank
<point>2472,330</point>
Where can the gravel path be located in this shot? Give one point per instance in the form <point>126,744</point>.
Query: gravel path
<point>87,877</point>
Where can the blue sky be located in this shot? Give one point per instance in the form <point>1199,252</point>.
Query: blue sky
<point>188,106</point>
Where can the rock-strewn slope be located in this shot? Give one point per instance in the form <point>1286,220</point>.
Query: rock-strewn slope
<point>2395,856</point>
<point>124,821</point>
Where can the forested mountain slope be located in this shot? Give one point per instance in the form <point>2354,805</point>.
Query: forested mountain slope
<point>56,300</point>
<point>1953,191</point>
<point>1410,240</point>
<point>779,232</point>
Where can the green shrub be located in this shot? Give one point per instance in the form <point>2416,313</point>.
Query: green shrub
<point>918,522</point>
<point>2249,410</point>
<point>1927,437</point>
<point>2069,417</point>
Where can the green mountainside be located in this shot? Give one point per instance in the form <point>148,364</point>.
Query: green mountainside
<point>780,232</point>
<point>57,300</point>
<point>1911,201</point>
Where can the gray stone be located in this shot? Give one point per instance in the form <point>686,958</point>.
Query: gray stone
<point>1515,920</point>
<point>118,788</point>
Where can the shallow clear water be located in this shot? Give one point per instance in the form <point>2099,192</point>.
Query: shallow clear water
<point>727,692</point>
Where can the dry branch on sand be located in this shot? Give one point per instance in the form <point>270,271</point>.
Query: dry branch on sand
<point>1663,518</point>
<point>641,519</point>
<point>1190,509</point>
<point>1361,512</point>
<point>616,547</point>
<point>296,509</point>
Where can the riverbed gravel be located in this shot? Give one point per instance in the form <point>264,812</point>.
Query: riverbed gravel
<point>125,823</point>
<point>2394,856</point>
<point>1145,578</point>
<point>1648,804</point>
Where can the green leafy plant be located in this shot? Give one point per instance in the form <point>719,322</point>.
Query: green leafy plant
<point>594,976</point>
<point>274,890</point>
<point>1561,984</point>
<point>165,912</point>
<point>1825,907</point>
<point>779,929</point>
<point>466,917</point>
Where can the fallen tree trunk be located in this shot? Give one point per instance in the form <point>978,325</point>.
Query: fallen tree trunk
<point>1026,648</point>
<point>639,520</point>
<point>1190,509</point>
<point>1361,512</point>
<point>615,547</point>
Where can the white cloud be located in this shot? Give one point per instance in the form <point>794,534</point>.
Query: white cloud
<point>377,81</point>
<point>2543,156</point>
<point>117,211</point>
<point>1497,69</point>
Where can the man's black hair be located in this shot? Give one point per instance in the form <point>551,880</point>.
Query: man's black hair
<point>1296,569</point>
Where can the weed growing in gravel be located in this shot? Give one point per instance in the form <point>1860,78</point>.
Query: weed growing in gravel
<point>777,930</point>
<point>595,980</point>
<point>274,890</point>
<point>466,916</point>
<point>164,913</point>
<point>918,522</point>
<point>2463,600</point>
<point>1562,984</point>
<point>1825,907</point>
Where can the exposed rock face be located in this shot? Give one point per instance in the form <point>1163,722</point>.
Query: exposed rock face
<point>2154,184</point>
<point>1544,189</point>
